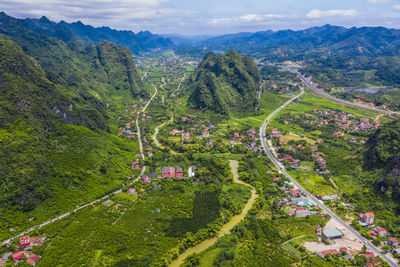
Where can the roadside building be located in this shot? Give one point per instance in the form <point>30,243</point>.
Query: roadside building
<point>373,263</point>
<point>24,241</point>
<point>393,241</point>
<point>332,233</point>
<point>366,219</point>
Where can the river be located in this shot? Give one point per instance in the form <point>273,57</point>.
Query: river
<point>226,228</point>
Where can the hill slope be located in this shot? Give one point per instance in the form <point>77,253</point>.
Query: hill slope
<point>137,43</point>
<point>56,151</point>
<point>225,84</point>
<point>384,153</point>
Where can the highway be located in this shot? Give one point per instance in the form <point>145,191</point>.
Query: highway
<point>370,246</point>
<point>312,87</point>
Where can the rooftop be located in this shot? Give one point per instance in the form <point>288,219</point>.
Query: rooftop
<point>332,232</point>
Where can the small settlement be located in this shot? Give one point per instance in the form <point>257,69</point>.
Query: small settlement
<point>24,252</point>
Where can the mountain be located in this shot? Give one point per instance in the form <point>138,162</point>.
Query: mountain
<point>225,84</point>
<point>137,43</point>
<point>383,154</point>
<point>56,104</point>
<point>327,40</point>
<point>178,39</point>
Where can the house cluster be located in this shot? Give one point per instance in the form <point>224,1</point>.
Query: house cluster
<point>275,133</point>
<point>321,163</point>
<point>372,261</point>
<point>25,251</point>
<point>297,204</point>
<point>368,220</point>
<point>176,172</point>
<point>365,103</point>
<point>184,134</point>
<point>293,163</point>
<point>126,129</point>
<point>345,123</point>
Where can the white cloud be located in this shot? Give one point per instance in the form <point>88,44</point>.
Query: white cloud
<point>396,7</point>
<point>316,13</point>
<point>245,19</point>
<point>256,17</point>
<point>378,1</point>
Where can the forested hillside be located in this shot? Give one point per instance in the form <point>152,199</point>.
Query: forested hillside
<point>225,84</point>
<point>327,40</point>
<point>137,43</point>
<point>56,101</point>
<point>383,153</point>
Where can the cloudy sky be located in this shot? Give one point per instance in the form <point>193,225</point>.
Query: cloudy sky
<point>197,17</point>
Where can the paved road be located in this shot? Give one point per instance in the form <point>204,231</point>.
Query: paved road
<point>95,201</point>
<point>312,87</point>
<point>309,195</point>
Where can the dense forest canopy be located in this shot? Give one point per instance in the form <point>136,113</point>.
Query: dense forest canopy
<point>225,84</point>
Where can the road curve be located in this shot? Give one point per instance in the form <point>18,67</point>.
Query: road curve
<point>312,87</point>
<point>309,195</point>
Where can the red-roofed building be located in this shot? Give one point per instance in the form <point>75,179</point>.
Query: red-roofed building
<point>373,233</point>
<point>382,232</point>
<point>343,249</point>
<point>168,172</point>
<point>368,255</point>
<point>24,241</point>
<point>32,259</point>
<point>179,172</point>
<point>146,179</point>
<point>393,241</point>
<point>326,252</point>
<point>294,192</point>
<point>17,255</point>
<point>366,218</point>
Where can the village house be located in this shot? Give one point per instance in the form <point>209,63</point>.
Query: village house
<point>168,172</point>
<point>393,242</point>
<point>366,219</point>
<point>373,263</point>
<point>382,232</point>
<point>131,191</point>
<point>179,172</point>
<point>294,192</point>
<point>191,171</point>
<point>146,179</point>
<point>24,241</point>
<point>37,241</point>
<point>17,255</point>
<point>326,252</point>
<point>33,259</point>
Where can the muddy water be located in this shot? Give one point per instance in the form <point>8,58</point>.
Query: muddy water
<point>226,228</point>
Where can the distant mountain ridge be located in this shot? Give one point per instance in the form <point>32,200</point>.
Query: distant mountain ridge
<point>327,39</point>
<point>138,43</point>
<point>225,84</point>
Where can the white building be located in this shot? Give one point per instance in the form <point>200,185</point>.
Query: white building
<point>191,171</point>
